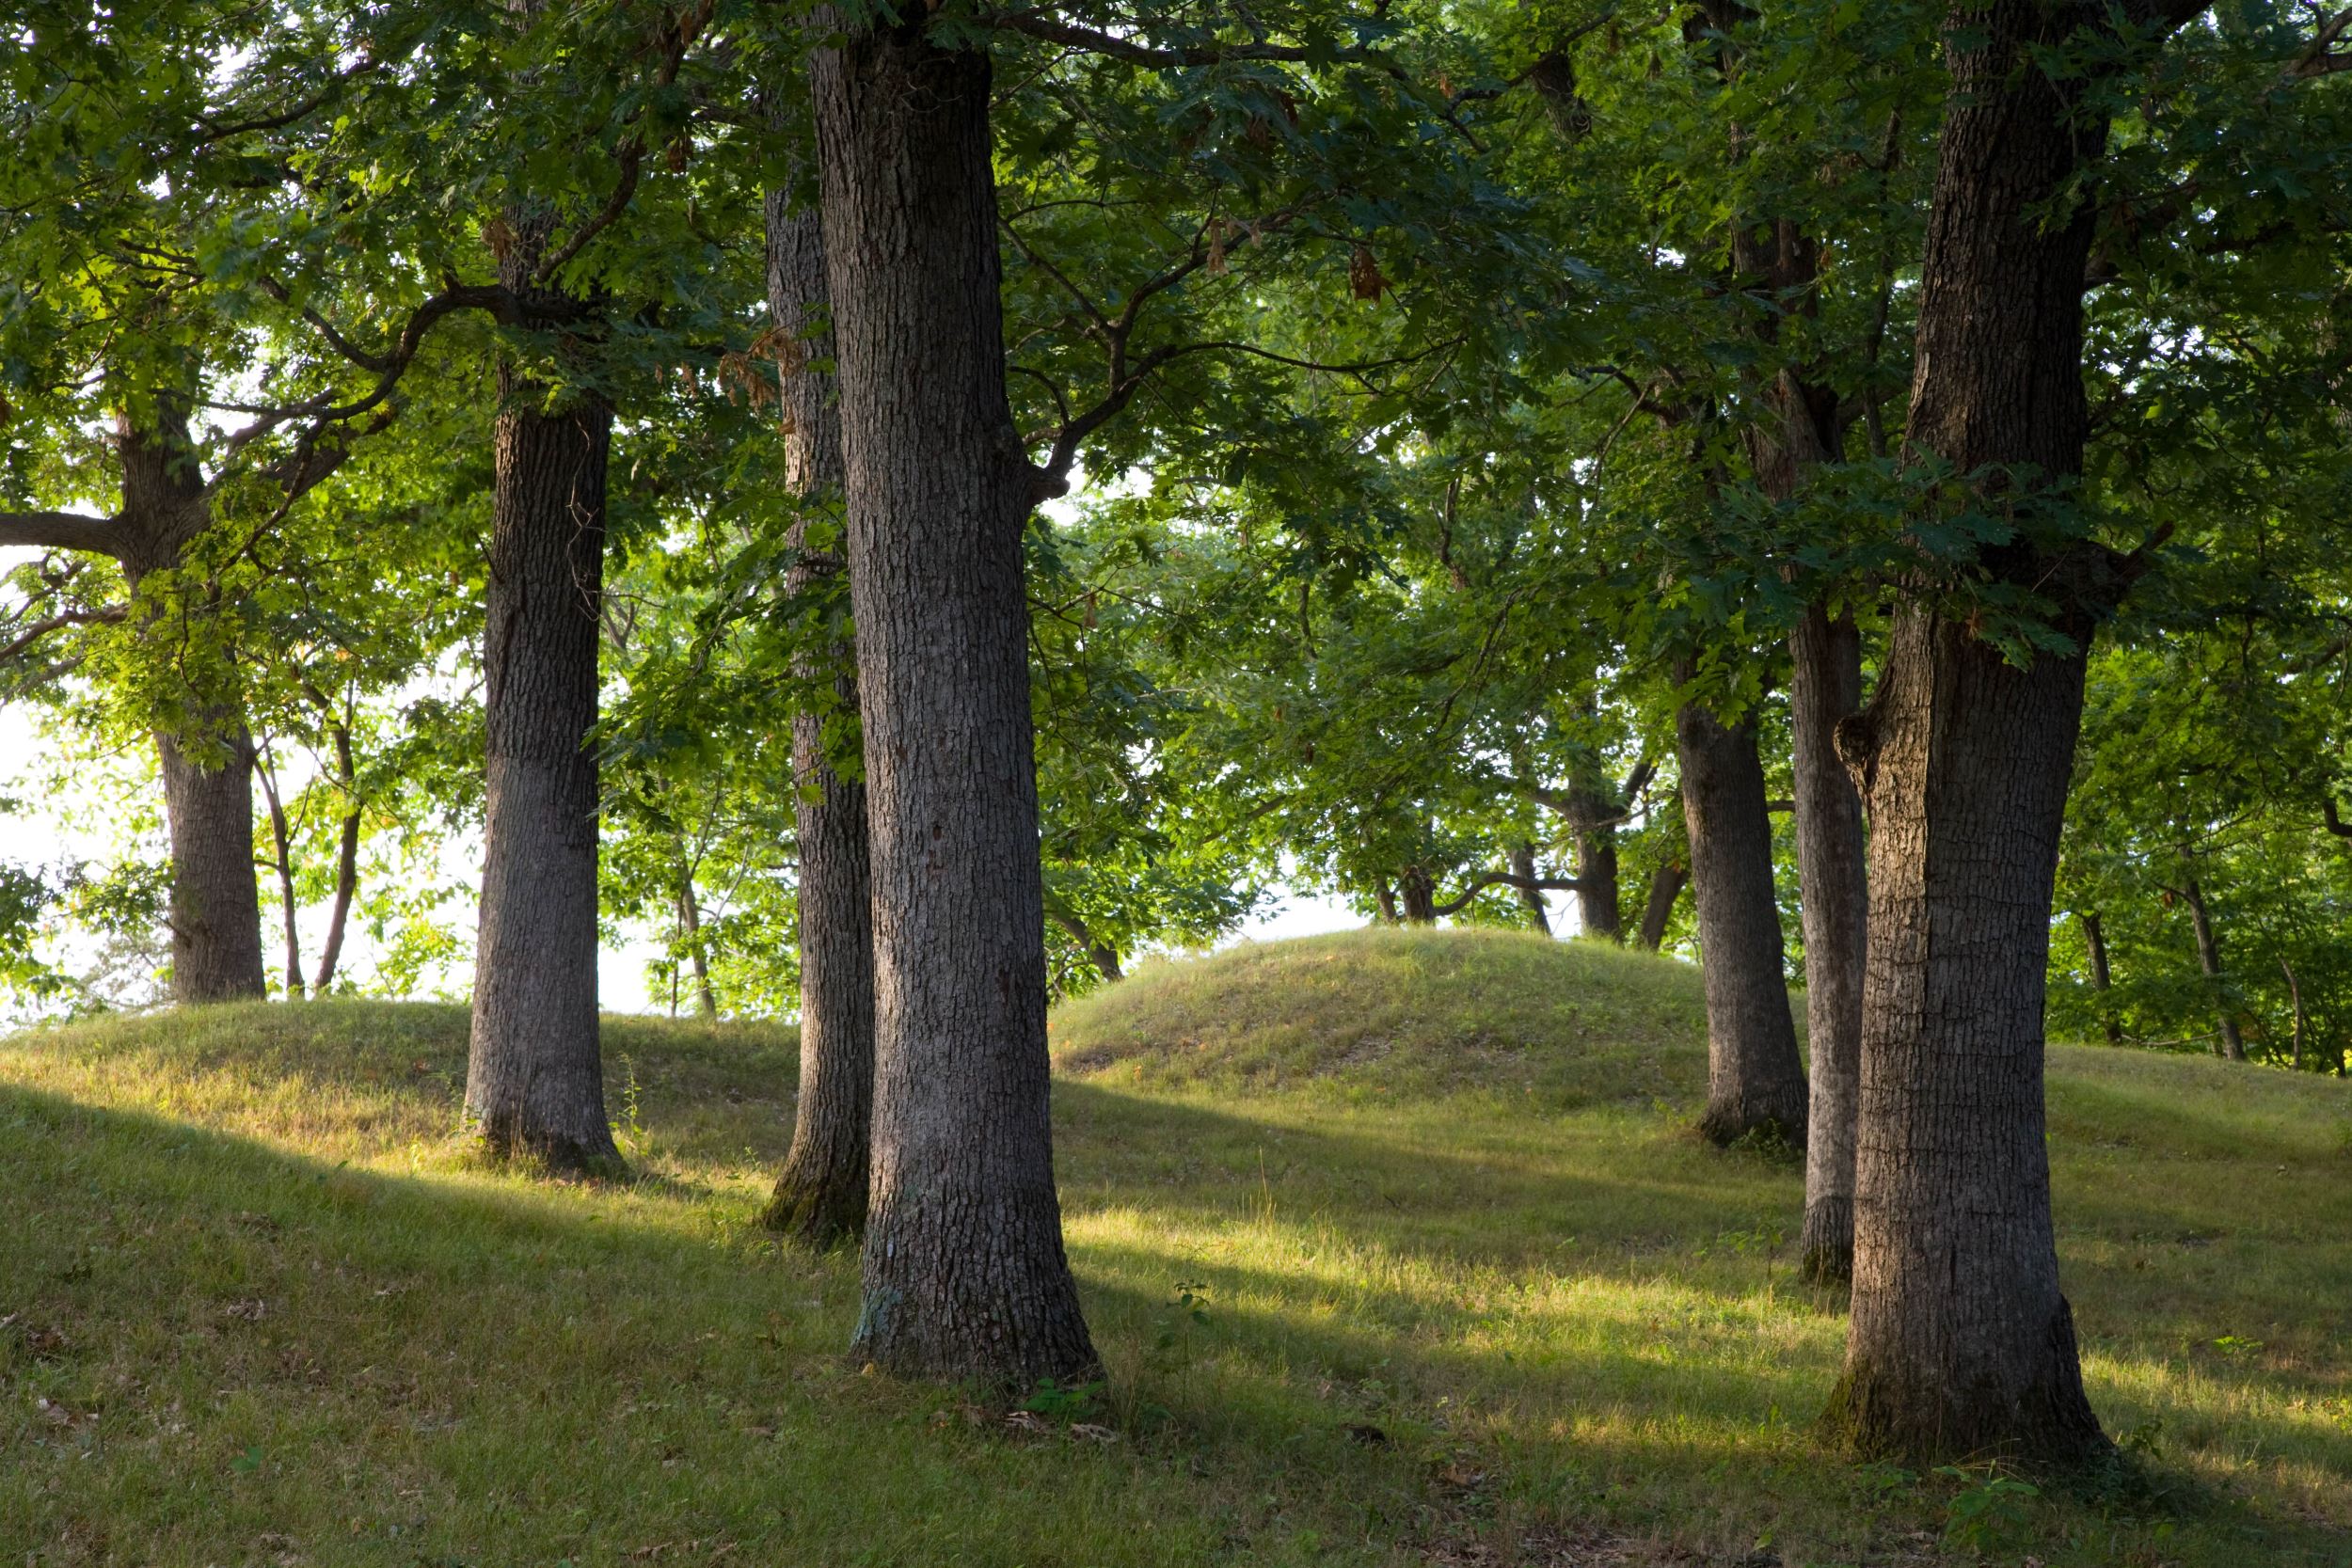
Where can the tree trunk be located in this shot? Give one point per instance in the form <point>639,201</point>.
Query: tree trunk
<point>1754,1079</point>
<point>1666,886</point>
<point>2095,938</point>
<point>820,1193</point>
<point>1959,1344</point>
<point>346,864</point>
<point>2295,999</point>
<point>215,916</point>
<point>1825,686</point>
<point>1592,812</point>
<point>2232,1044</point>
<point>964,1274</point>
<point>1419,896</point>
<point>1523,864</point>
<point>207,763</point>
<point>1384,894</point>
<point>690,916</point>
<point>281,842</point>
<point>534,1077</point>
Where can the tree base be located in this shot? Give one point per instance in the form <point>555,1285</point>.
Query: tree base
<point>2042,1423</point>
<point>1825,1249</point>
<point>1726,1125</point>
<point>816,1215</point>
<point>580,1158</point>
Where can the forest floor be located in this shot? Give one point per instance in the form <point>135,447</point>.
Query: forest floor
<point>1396,1245</point>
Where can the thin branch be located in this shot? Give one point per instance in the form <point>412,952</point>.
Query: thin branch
<point>39,629</point>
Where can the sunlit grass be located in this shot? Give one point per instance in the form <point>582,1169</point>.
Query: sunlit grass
<point>1466,1290</point>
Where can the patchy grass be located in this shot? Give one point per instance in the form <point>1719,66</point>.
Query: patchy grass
<point>1395,1244</point>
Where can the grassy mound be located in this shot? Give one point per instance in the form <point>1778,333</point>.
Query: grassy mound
<point>255,1310</point>
<point>1403,1012</point>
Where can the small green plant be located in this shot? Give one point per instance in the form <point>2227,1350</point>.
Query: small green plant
<point>2142,1439</point>
<point>1059,1403</point>
<point>2237,1348</point>
<point>631,1128</point>
<point>1882,1481</point>
<point>1978,1516</point>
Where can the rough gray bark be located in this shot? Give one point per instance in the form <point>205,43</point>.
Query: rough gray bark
<point>1960,1344</point>
<point>2232,1042</point>
<point>1754,1079</point>
<point>215,908</point>
<point>2102,980</point>
<point>821,1195</point>
<point>1825,685</point>
<point>534,1074</point>
<point>1666,886</point>
<point>964,1274</point>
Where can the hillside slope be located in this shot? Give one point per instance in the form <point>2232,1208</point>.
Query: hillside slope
<point>1396,1244</point>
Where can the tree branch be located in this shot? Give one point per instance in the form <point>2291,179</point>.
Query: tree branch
<point>58,531</point>
<point>1486,880</point>
<point>39,629</point>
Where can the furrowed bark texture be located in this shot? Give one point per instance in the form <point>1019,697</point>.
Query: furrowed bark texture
<point>821,1195</point>
<point>1961,1343</point>
<point>1825,686</point>
<point>207,762</point>
<point>965,1270</point>
<point>534,1077</point>
<point>1754,1079</point>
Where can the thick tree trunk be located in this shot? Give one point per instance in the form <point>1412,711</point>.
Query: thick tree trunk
<point>1523,864</point>
<point>1666,886</point>
<point>1385,895</point>
<point>534,1077</point>
<point>1961,1344</point>
<point>216,912</point>
<point>821,1195</point>
<point>2232,1044</point>
<point>1825,686</point>
<point>1754,1079</point>
<point>346,866</point>
<point>2095,939</point>
<point>1418,895</point>
<point>965,1271</point>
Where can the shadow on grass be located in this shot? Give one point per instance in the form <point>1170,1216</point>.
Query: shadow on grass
<point>491,1369</point>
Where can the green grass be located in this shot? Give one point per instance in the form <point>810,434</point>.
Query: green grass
<point>1474,1295</point>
